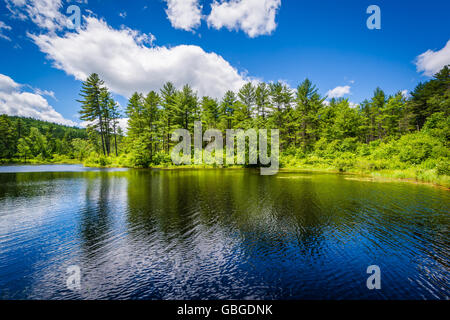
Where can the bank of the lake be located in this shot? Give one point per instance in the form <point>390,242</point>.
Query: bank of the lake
<point>411,175</point>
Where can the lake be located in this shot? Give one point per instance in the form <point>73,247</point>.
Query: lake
<point>218,234</point>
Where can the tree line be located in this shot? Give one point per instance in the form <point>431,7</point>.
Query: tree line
<point>27,138</point>
<point>305,119</point>
<point>310,125</point>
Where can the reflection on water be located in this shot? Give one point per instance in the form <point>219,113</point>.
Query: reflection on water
<point>218,234</point>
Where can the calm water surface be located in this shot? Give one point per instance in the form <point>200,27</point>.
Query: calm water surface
<point>218,234</point>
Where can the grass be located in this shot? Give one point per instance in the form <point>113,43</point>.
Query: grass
<point>414,175</point>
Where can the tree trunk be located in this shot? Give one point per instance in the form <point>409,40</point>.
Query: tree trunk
<point>115,140</point>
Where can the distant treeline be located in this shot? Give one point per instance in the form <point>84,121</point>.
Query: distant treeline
<point>29,138</point>
<point>382,132</point>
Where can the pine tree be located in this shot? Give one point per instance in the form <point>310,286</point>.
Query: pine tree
<point>262,100</point>
<point>168,96</point>
<point>150,114</point>
<point>7,141</point>
<point>210,112</point>
<point>308,109</point>
<point>115,116</point>
<point>228,108</point>
<point>90,105</point>
<point>186,108</point>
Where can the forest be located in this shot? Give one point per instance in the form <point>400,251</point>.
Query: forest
<point>392,135</point>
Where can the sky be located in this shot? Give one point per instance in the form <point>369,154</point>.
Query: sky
<point>214,46</point>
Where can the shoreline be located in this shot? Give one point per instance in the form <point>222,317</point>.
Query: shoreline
<point>375,176</point>
<point>380,175</point>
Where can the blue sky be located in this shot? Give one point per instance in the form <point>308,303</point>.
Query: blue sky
<point>140,44</point>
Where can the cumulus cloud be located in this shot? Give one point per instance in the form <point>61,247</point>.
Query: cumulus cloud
<point>254,17</point>
<point>14,101</point>
<point>338,92</point>
<point>126,64</point>
<point>4,26</point>
<point>184,14</point>
<point>44,13</point>
<point>431,62</point>
<point>7,84</point>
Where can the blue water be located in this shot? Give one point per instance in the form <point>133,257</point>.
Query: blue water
<point>218,234</point>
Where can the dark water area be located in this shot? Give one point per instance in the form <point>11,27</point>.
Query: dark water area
<point>219,234</point>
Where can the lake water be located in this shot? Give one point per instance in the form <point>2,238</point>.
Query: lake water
<point>219,234</point>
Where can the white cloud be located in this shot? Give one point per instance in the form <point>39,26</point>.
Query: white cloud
<point>122,123</point>
<point>7,84</point>
<point>353,105</point>
<point>338,92</point>
<point>431,62</point>
<point>44,93</point>
<point>4,26</point>
<point>405,93</point>
<point>123,14</point>
<point>16,102</point>
<point>184,14</point>
<point>44,13</point>
<point>126,64</point>
<point>254,17</point>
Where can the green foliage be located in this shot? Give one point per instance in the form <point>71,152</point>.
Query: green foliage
<point>443,167</point>
<point>416,148</point>
<point>438,125</point>
<point>7,138</point>
<point>431,97</point>
<point>100,111</point>
<point>26,139</point>
<point>81,149</point>
<point>408,137</point>
<point>162,158</point>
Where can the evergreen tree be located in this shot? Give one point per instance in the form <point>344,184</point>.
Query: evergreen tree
<point>211,113</point>
<point>150,114</point>
<point>308,107</point>
<point>168,96</point>
<point>7,139</point>
<point>186,108</point>
<point>228,108</point>
<point>431,97</point>
<point>91,110</point>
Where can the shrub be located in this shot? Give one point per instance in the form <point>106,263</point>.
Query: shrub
<point>345,162</point>
<point>161,158</point>
<point>438,125</point>
<point>385,150</point>
<point>349,145</point>
<point>443,167</point>
<point>416,148</point>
